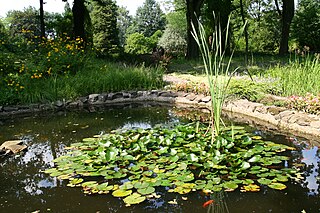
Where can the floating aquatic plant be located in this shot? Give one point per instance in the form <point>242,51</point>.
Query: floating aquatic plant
<point>131,164</point>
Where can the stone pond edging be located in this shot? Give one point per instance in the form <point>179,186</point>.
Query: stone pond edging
<point>277,118</point>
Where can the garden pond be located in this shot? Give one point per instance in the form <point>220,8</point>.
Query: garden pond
<point>24,187</point>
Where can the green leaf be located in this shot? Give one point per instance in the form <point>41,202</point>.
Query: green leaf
<point>134,198</point>
<point>254,159</point>
<point>140,185</point>
<point>147,190</point>
<point>245,165</point>
<point>111,154</point>
<point>230,185</point>
<point>277,186</point>
<point>264,181</point>
<point>121,193</point>
<point>192,157</point>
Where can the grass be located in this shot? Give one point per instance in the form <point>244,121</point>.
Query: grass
<point>299,77</point>
<point>272,74</point>
<point>97,76</point>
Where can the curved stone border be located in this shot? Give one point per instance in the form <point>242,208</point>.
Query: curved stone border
<point>282,119</point>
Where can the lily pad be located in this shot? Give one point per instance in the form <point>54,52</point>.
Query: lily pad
<point>278,186</point>
<point>134,198</point>
<point>121,193</point>
<point>147,190</point>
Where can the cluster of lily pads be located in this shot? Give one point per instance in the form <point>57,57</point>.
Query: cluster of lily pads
<point>132,163</point>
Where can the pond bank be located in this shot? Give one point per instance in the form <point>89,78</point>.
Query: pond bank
<point>271,117</point>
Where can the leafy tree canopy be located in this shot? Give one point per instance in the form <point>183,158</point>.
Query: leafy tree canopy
<point>149,19</point>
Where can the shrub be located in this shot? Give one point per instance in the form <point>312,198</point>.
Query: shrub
<point>310,103</point>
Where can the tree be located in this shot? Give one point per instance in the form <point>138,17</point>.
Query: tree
<point>306,24</point>
<point>24,23</point>
<point>105,31</point>
<point>149,18</point>
<point>124,21</point>
<point>218,12</point>
<point>79,12</point>
<point>138,44</point>
<point>42,25</point>
<point>175,33</point>
<point>192,13</point>
<point>61,24</point>
<point>286,19</point>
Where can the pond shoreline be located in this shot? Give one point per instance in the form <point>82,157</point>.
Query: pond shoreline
<point>271,117</point>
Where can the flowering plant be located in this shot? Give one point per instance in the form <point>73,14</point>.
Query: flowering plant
<point>309,103</point>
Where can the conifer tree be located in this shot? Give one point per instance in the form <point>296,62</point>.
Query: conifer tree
<point>105,31</point>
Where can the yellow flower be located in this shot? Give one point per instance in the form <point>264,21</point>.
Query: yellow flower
<point>49,54</point>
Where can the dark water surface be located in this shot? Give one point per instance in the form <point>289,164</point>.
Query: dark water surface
<point>24,188</point>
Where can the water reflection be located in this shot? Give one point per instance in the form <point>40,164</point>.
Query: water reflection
<point>25,188</point>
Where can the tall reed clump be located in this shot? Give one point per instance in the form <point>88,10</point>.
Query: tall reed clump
<point>299,77</point>
<point>217,70</point>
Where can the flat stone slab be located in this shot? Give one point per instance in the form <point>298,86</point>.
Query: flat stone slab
<point>13,146</point>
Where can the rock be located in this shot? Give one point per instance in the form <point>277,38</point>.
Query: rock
<point>168,94</point>
<point>83,99</point>
<point>93,98</point>
<point>273,110</point>
<point>315,124</point>
<point>59,104</point>
<point>13,146</point>
<point>283,114</point>
<point>191,97</point>
<point>206,99</point>
<point>133,94</point>
<point>10,109</point>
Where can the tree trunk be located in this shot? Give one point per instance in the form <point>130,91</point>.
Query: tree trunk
<point>42,26</point>
<point>222,10</point>
<point>246,36</point>
<point>286,19</point>
<point>193,12</point>
<point>78,11</point>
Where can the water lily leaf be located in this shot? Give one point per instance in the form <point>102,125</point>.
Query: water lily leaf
<point>76,181</point>
<point>171,166</point>
<point>247,181</point>
<point>250,188</point>
<point>217,188</point>
<point>174,158</point>
<point>281,178</point>
<point>173,152</point>
<point>64,177</point>
<point>55,173</point>
<point>166,183</point>
<point>264,181</point>
<point>140,185</point>
<point>89,140</point>
<point>104,187</point>
<point>121,193</point>
<point>89,184</point>
<point>254,159</point>
<point>134,198</point>
<point>200,182</point>
<point>181,190</point>
<point>216,180</point>
<point>192,157</point>
<point>126,185</point>
<point>111,154</point>
<point>147,190</point>
<point>230,185</point>
<point>278,186</point>
<point>50,170</point>
<point>245,165</point>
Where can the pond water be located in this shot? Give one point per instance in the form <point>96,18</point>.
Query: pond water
<point>24,188</point>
